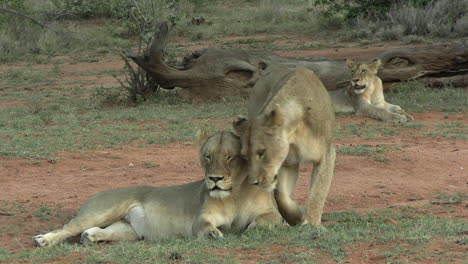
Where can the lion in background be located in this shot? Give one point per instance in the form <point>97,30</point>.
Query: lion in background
<point>290,121</point>
<point>222,202</point>
<point>365,95</point>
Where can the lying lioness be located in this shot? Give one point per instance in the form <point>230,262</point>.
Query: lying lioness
<point>222,201</point>
<point>365,95</point>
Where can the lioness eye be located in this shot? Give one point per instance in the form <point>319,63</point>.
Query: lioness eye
<point>364,71</point>
<point>229,157</point>
<point>208,157</point>
<point>261,153</point>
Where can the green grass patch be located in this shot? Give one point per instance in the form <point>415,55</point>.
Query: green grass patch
<point>416,97</point>
<point>451,130</point>
<point>452,198</point>
<point>288,244</point>
<point>13,77</point>
<point>102,72</point>
<point>366,131</point>
<point>416,125</point>
<point>60,120</point>
<point>367,150</point>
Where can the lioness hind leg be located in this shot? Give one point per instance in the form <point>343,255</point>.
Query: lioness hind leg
<point>116,232</point>
<point>87,217</point>
<point>289,209</point>
<point>73,228</point>
<point>320,184</point>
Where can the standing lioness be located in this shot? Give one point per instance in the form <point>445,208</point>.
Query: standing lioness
<point>222,201</point>
<point>291,121</point>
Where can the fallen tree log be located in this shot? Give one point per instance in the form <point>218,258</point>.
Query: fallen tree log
<point>214,73</point>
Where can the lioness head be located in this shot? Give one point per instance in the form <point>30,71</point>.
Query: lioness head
<point>362,74</point>
<point>221,161</point>
<point>265,145</point>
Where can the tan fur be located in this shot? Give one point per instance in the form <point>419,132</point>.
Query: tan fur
<point>365,95</point>
<point>291,121</point>
<point>193,209</point>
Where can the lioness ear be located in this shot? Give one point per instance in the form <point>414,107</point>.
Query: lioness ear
<point>240,125</point>
<point>275,117</point>
<point>202,136</point>
<point>375,65</point>
<point>350,63</point>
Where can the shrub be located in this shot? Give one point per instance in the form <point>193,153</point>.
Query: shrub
<point>391,33</point>
<point>354,9</point>
<point>461,26</point>
<point>413,39</point>
<point>437,18</point>
<point>442,18</point>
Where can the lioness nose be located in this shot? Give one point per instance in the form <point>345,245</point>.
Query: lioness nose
<point>215,178</point>
<point>355,80</point>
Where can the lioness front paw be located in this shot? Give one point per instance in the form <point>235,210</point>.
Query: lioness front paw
<point>89,236</point>
<point>212,234</point>
<point>40,241</point>
<point>397,118</point>
<point>409,117</point>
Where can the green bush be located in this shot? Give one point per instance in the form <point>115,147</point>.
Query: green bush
<point>437,19</point>
<point>353,9</point>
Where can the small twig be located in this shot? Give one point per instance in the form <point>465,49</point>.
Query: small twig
<point>128,64</point>
<point>6,214</point>
<point>23,15</point>
<point>19,243</point>
<point>141,14</point>
<point>448,202</point>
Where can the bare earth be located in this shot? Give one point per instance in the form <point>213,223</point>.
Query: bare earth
<point>411,176</point>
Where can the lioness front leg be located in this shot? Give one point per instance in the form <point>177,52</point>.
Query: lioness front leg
<point>397,109</point>
<point>207,224</point>
<point>209,230</point>
<point>320,182</point>
<point>289,209</point>
<point>369,110</point>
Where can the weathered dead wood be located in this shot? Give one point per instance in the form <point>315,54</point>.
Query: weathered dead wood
<point>214,73</point>
<point>434,64</point>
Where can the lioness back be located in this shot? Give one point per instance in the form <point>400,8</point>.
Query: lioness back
<point>294,88</point>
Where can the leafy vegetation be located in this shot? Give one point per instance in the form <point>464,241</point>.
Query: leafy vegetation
<point>78,25</point>
<point>362,8</point>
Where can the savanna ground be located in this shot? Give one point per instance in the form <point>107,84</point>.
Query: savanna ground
<point>399,193</point>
